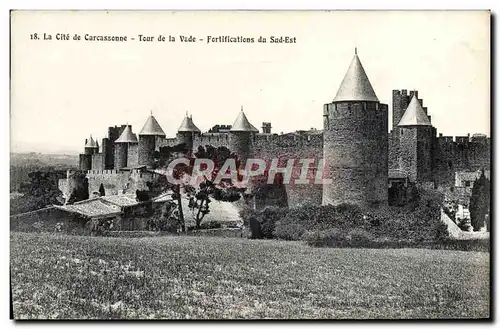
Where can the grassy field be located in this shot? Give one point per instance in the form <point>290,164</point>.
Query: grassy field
<point>68,277</point>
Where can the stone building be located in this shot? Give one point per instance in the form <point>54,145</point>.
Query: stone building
<point>355,142</point>
<point>364,161</point>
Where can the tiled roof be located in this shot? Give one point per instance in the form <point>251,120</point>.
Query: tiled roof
<point>127,136</point>
<point>92,208</point>
<point>188,125</point>
<point>152,127</point>
<point>414,115</point>
<point>242,124</point>
<point>90,143</point>
<point>355,86</point>
<point>122,200</point>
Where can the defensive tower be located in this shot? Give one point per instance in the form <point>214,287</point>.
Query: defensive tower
<point>85,160</point>
<point>147,141</point>
<point>241,136</point>
<point>355,148</point>
<point>187,132</point>
<point>122,145</point>
<point>416,138</point>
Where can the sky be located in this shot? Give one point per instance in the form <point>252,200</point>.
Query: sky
<point>64,90</point>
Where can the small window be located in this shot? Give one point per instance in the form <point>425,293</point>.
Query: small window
<point>467,183</point>
<point>401,131</point>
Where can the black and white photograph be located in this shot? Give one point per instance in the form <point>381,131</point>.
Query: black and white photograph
<point>250,165</point>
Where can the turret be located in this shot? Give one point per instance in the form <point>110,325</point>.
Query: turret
<point>266,127</point>
<point>122,145</point>
<point>85,159</point>
<point>355,147</point>
<point>240,137</point>
<point>415,142</point>
<point>187,132</point>
<point>147,141</point>
<point>91,146</point>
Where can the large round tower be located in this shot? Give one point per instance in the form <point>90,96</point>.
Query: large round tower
<point>355,140</point>
<point>147,141</point>
<point>122,145</point>
<point>187,132</point>
<point>240,137</point>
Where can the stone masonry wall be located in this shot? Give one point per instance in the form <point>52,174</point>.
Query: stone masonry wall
<point>146,150</point>
<point>120,155</point>
<point>133,155</point>
<point>356,153</point>
<point>114,181</point>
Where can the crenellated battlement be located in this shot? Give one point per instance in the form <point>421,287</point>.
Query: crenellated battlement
<point>289,140</point>
<point>103,172</point>
<point>464,140</point>
<point>355,143</point>
<point>446,154</point>
<point>209,138</point>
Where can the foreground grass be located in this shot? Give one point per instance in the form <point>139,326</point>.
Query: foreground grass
<point>69,277</point>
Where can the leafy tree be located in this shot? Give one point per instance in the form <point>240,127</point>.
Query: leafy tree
<point>161,184</point>
<point>102,191</point>
<point>168,153</point>
<point>480,201</point>
<point>273,195</point>
<point>20,170</point>
<point>42,190</point>
<point>199,196</point>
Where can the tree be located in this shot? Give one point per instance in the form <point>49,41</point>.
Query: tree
<point>41,191</point>
<point>480,201</point>
<point>102,191</point>
<point>199,199</point>
<point>273,195</point>
<point>199,196</point>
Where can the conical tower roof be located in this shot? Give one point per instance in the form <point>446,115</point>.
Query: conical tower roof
<point>152,127</point>
<point>90,143</point>
<point>242,124</point>
<point>127,136</point>
<point>188,125</point>
<point>414,115</point>
<point>355,86</point>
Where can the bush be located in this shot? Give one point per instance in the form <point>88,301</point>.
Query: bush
<point>207,225</point>
<point>482,245</point>
<point>441,232</point>
<point>246,212</point>
<point>308,217</point>
<point>263,222</point>
<point>417,222</point>
<point>349,225</point>
<point>101,226</point>
<point>325,238</point>
<point>359,238</point>
<point>168,220</point>
<point>289,231</point>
